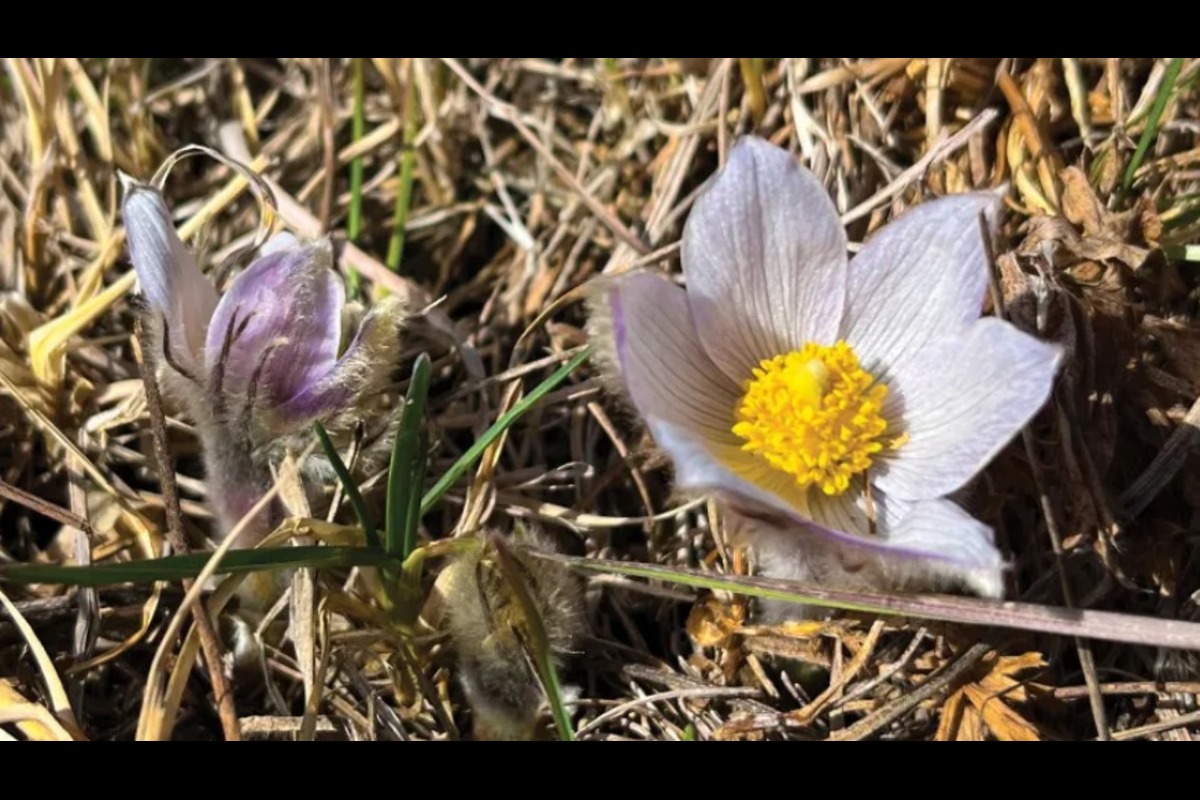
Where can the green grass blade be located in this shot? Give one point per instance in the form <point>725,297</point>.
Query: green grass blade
<point>416,485</point>
<point>174,568</point>
<point>1084,623</point>
<point>1183,211</point>
<point>1150,132</point>
<point>1183,252</point>
<point>348,486</point>
<point>354,220</point>
<point>404,450</point>
<point>460,467</point>
<point>408,157</point>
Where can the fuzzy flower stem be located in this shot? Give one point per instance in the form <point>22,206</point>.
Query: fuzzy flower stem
<point>210,645</point>
<point>237,481</point>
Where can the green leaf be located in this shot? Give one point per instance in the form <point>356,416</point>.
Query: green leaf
<point>408,155</point>
<point>404,450</point>
<point>175,568</point>
<point>1150,132</point>
<point>416,485</point>
<point>349,487</point>
<point>460,467</point>
<point>1182,252</point>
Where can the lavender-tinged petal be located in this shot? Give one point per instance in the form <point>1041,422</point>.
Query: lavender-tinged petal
<point>700,467</point>
<point>277,243</point>
<point>936,544</point>
<point>282,316</point>
<point>854,510</point>
<point>669,377</point>
<point>322,398</point>
<point>765,258</point>
<point>960,404</point>
<point>664,368</point>
<point>968,558</point>
<point>362,369</point>
<point>174,286</point>
<point>919,279</point>
<point>966,550</point>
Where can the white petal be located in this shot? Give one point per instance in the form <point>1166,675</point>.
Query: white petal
<point>920,278</point>
<point>957,551</point>
<point>960,404</point>
<point>280,241</point>
<point>722,467</point>
<point>665,370</point>
<point>848,511</point>
<point>765,258</point>
<point>942,548</point>
<point>933,544</point>
<point>966,558</point>
<point>167,273</point>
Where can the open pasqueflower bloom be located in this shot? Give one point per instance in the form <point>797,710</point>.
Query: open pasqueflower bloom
<point>260,362</point>
<point>832,404</point>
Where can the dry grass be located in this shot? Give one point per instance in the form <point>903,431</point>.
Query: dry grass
<point>519,181</point>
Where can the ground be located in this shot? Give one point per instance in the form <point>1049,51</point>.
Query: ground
<point>488,195</point>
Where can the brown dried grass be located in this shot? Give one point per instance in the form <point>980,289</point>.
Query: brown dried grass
<point>529,178</point>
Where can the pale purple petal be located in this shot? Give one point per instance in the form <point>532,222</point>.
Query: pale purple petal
<point>765,259</point>
<point>960,404</point>
<point>849,511</point>
<point>664,368</point>
<point>919,279</point>
<point>935,543</point>
<point>282,317</point>
<point>366,363</point>
<point>966,554</point>
<point>966,557</point>
<point>911,550</point>
<point>277,243</point>
<point>174,286</point>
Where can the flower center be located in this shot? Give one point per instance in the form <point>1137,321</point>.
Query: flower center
<point>815,414</point>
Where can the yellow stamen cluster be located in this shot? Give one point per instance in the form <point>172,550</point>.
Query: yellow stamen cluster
<point>815,414</point>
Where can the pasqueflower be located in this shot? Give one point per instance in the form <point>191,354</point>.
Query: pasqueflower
<point>258,363</point>
<point>831,404</point>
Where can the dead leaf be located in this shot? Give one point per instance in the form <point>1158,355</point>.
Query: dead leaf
<point>30,725</point>
<point>1151,224</point>
<point>951,719</point>
<point>971,727</point>
<point>805,651</point>
<point>1080,204</point>
<point>713,623</point>
<point>17,319</point>
<point>806,641</point>
<point>1003,723</point>
<point>984,705</point>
